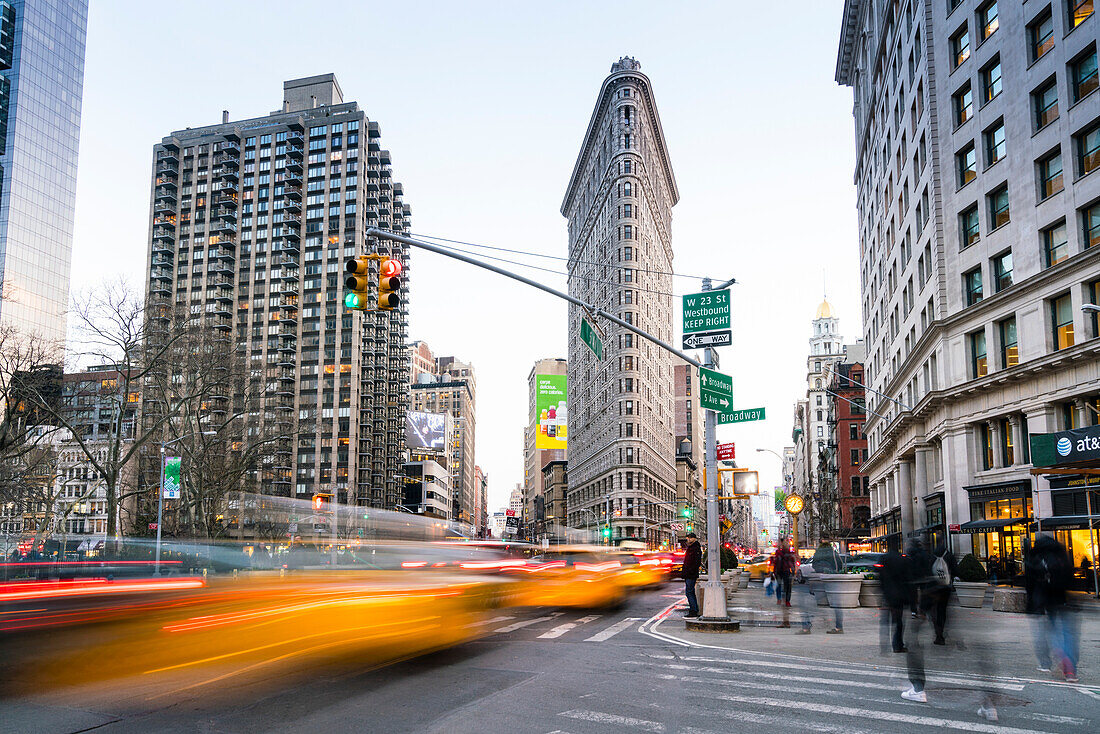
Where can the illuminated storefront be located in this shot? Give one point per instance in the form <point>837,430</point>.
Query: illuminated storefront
<point>883,528</point>
<point>999,518</point>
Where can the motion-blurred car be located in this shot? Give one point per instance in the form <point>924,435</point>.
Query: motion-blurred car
<point>758,567</point>
<point>574,576</point>
<point>641,570</point>
<point>866,562</point>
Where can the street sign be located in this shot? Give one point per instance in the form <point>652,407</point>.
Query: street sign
<point>171,486</point>
<point>741,416</point>
<point>725,451</point>
<point>152,526</point>
<point>591,338</point>
<point>292,527</point>
<point>707,311</point>
<point>676,526</point>
<point>509,513</point>
<point>715,390</point>
<point>708,339</point>
<point>954,528</point>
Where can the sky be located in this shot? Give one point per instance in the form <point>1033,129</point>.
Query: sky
<point>483,106</point>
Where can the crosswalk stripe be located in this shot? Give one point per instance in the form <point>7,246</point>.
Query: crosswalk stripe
<point>613,630</point>
<point>801,679</point>
<point>785,704</point>
<point>524,623</point>
<point>975,681</point>
<point>784,721</point>
<point>561,629</point>
<point>601,718</point>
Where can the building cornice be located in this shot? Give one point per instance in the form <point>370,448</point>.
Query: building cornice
<point>849,29</point>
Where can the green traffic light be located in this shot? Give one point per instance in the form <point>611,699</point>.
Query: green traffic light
<point>686,512</point>
<point>351,300</point>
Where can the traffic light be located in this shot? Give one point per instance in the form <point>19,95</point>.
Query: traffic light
<point>606,531</point>
<point>690,528</point>
<point>357,283</point>
<point>687,512</point>
<point>389,283</point>
<point>618,513</point>
<point>320,499</point>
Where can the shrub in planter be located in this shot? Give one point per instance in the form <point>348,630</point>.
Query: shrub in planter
<point>970,569</point>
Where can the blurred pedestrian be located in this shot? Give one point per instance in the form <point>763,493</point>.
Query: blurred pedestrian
<point>895,592</point>
<point>783,562</point>
<point>693,559</point>
<point>827,560</point>
<point>1048,573</point>
<point>940,588</point>
<point>919,575</point>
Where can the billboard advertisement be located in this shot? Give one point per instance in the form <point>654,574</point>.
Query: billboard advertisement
<point>426,430</point>
<point>550,405</point>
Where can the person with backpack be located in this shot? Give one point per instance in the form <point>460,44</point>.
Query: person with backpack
<point>783,563</point>
<point>1049,572</point>
<point>895,592</point>
<point>940,588</point>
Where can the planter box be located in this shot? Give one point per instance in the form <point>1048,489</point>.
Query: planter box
<point>743,580</point>
<point>843,589</point>
<point>971,593</point>
<point>1010,600</point>
<point>870,593</point>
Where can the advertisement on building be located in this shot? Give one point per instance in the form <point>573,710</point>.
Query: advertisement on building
<point>426,430</point>
<point>550,404</point>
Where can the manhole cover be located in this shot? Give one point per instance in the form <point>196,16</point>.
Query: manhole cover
<point>962,695</point>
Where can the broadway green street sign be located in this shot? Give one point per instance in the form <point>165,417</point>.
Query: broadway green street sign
<point>741,416</point>
<point>715,390</point>
<point>591,338</point>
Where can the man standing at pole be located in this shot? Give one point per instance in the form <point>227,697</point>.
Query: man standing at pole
<point>693,559</point>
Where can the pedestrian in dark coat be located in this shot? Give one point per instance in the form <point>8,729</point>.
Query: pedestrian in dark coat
<point>895,591</point>
<point>693,559</point>
<point>940,590</point>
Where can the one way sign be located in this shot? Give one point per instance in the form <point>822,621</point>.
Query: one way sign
<point>708,339</point>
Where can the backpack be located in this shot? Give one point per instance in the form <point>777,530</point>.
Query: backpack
<point>941,572</point>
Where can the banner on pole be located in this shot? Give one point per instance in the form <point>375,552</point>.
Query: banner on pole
<point>171,488</point>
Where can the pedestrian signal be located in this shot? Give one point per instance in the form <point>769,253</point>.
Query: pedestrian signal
<point>389,283</point>
<point>357,282</point>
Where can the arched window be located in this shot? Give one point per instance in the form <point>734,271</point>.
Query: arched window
<point>817,383</point>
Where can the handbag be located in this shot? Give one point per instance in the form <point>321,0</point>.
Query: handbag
<point>769,585</point>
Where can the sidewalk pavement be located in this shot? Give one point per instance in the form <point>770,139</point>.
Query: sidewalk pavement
<point>979,641</point>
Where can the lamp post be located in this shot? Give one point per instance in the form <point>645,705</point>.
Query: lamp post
<point>160,489</point>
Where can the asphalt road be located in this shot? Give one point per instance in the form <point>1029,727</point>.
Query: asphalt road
<point>575,672</point>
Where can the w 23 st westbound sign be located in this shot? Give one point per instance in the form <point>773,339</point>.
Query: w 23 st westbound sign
<point>707,319</point>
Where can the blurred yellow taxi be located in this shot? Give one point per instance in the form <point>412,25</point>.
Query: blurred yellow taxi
<point>574,576</point>
<point>641,569</point>
<point>758,567</point>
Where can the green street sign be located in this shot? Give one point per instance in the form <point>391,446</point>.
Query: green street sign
<point>741,416</point>
<point>591,338</point>
<point>715,391</point>
<point>707,311</point>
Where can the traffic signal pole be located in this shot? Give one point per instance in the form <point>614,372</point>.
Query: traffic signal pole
<point>714,595</point>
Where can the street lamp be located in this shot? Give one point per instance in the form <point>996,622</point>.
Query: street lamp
<point>160,489</point>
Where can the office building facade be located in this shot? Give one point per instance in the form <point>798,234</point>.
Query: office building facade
<point>41,87</point>
<point>977,144</point>
<point>619,206</point>
<point>540,508</point>
<point>250,225</point>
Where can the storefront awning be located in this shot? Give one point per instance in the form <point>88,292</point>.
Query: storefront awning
<point>1077,447</point>
<point>1067,522</point>
<point>986,526</point>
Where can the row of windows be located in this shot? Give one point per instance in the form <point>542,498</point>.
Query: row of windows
<point>1062,334</point>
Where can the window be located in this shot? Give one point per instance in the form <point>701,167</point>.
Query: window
<point>1088,150</point>
<point>1091,218</point>
<point>1079,11</point>
<point>968,226</point>
<point>972,285</point>
<point>1046,105</point>
<point>1061,313</point>
<point>1082,74</point>
<point>960,47</point>
<point>1008,457</point>
<point>964,104</point>
<point>979,365</point>
<point>1042,36</point>
<point>987,20</point>
<point>998,207</point>
<point>1010,353</point>
<point>853,431</point>
<point>994,144</point>
<point>854,457</point>
<point>1094,298</point>
<point>1055,245</point>
<point>1050,175</point>
<point>967,163</point>
<point>985,436</point>
<point>991,80</point>
<point>1002,272</point>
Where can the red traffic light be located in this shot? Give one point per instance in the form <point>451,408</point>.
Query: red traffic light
<point>391,268</point>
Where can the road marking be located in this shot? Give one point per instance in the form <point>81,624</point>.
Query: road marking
<point>613,630</point>
<point>524,623</point>
<point>488,622</point>
<point>781,721</point>
<point>785,704</point>
<point>649,626</point>
<point>602,718</point>
<point>731,666</point>
<point>561,629</point>
<point>805,679</point>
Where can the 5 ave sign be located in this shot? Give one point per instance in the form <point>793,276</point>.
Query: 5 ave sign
<point>715,390</point>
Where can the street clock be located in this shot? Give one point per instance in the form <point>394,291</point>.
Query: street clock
<point>794,504</point>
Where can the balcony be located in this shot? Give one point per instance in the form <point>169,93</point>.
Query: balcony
<point>295,150</point>
<point>292,205</point>
<point>224,212</point>
<point>292,193</point>
<point>159,259</point>
<point>224,239</point>
<point>294,136</point>
<point>292,220</point>
<point>293,166</point>
<point>165,222</point>
<point>228,159</point>
<point>224,199</point>
<point>163,247</point>
<point>288,275</point>
<point>166,181</point>
<point>160,286</point>
<point>230,148</point>
<point>226,173</point>
<point>227,187</point>
<point>292,178</point>
<point>169,154</point>
<point>374,130</point>
<point>220,322</point>
<point>223,225</point>
<point>161,273</point>
<point>166,170</point>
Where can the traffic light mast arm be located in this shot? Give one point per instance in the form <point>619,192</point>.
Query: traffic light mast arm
<point>382,234</point>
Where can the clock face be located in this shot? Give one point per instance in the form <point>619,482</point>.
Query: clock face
<point>794,504</point>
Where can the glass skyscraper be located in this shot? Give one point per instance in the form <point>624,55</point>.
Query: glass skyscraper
<point>41,84</point>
